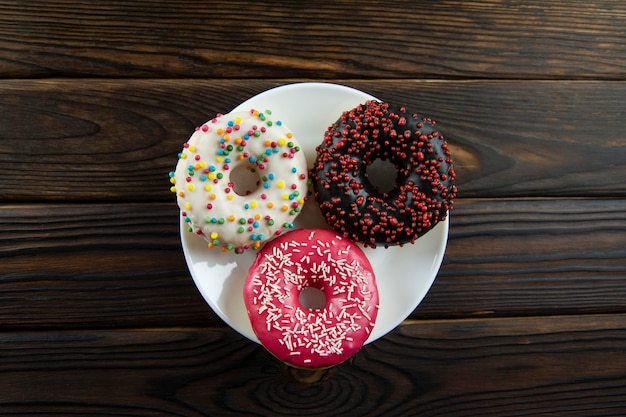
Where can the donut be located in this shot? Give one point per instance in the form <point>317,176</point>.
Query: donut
<point>240,179</point>
<point>311,336</point>
<point>423,192</point>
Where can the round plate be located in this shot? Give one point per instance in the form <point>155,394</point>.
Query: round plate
<point>403,274</point>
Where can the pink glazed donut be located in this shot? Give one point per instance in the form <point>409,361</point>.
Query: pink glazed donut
<point>311,337</point>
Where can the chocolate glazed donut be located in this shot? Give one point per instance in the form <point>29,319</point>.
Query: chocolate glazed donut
<point>423,191</point>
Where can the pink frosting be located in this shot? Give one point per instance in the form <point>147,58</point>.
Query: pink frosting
<point>319,258</point>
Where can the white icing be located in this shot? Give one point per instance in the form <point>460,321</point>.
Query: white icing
<point>206,193</point>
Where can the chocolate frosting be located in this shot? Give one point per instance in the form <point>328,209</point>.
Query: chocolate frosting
<point>423,191</point>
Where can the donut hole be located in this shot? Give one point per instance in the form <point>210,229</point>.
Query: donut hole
<point>244,179</point>
<point>312,298</point>
<point>382,175</point>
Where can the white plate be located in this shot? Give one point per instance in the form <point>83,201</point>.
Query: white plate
<point>404,275</point>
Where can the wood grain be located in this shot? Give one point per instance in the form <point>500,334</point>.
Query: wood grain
<point>527,257</point>
<point>117,139</point>
<point>98,312</point>
<point>95,265</point>
<point>561,366</point>
<point>120,265</point>
<point>488,38</point>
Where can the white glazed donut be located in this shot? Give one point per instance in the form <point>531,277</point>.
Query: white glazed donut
<point>261,150</point>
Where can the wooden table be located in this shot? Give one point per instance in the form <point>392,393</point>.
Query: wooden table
<point>98,313</point>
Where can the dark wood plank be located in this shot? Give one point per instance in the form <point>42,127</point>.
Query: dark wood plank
<point>118,139</point>
<point>526,257</point>
<point>559,366</point>
<point>97,266</point>
<point>120,265</point>
<point>487,38</point>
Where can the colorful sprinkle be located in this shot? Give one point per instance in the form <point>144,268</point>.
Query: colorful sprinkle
<point>218,148</point>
